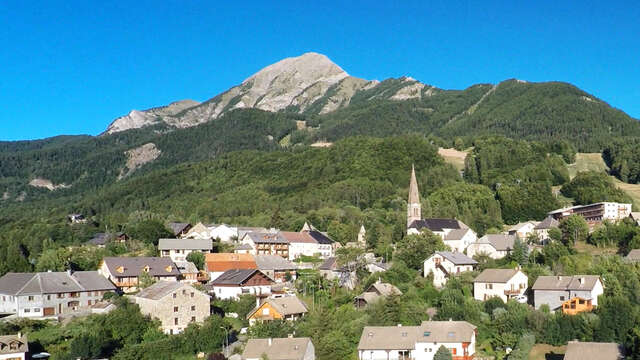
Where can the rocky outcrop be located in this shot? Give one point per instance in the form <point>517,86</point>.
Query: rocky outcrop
<point>138,157</point>
<point>137,119</point>
<point>47,184</point>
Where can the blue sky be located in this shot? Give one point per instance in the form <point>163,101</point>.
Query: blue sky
<point>71,67</point>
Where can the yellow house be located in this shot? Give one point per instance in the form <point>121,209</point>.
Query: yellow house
<point>287,308</point>
<point>576,305</point>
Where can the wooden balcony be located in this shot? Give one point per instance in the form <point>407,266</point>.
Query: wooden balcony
<point>512,292</point>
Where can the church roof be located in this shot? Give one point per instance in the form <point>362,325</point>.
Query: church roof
<point>414,195</point>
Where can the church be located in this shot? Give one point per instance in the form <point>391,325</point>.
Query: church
<point>455,234</point>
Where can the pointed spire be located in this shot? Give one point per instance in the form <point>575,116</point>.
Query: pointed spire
<point>414,195</point>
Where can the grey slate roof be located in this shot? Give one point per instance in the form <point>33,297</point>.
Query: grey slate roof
<point>495,275</point>
<point>267,238</point>
<point>456,234</point>
<point>457,258</point>
<point>321,238</point>
<point>592,351</point>
<point>548,223</point>
<point>405,337</point>
<point>330,263</point>
<point>273,262</point>
<point>186,267</point>
<point>161,289</point>
<point>566,282</point>
<point>500,242</point>
<point>7,340</point>
<point>178,228</point>
<point>279,349</point>
<point>438,224</point>
<point>53,283</point>
<point>133,266</point>
<point>235,276</point>
<point>185,244</point>
<point>633,255</point>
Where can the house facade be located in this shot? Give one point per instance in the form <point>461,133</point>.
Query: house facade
<point>502,283</point>
<point>125,272</point>
<point>179,249</point>
<point>283,308</point>
<point>556,290</point>
<point>218,263</point>
<point>176,305</point>
<point>459,239</point>
<point>595,213</point>
<point>542,229</point>
<point>267,243</point>
<point>49,294</point>
<point>444,264</point>
<point>279,349</point>
<point>496,246</point>
<point>233,283</point>
<point>523,229</point>
<point>14,347</point>
<point>418,342</point>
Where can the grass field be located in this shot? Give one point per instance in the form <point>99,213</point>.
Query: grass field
<point>454,157</point>
<point>594,161</point>
<point>547,352</point>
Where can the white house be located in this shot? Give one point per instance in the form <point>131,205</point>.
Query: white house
<point>495,246</point>
<point>14,347</point>
<point>542,229</point>
<point>224,232</point>
<point>233,283</point>
<point>198,231</point>
<point>555,290</point>
<point>523,229</point>
<point>179,249</point>
<point>443,264</point>
<point>459,239</point>
<point>417,342</point>
<point>503,283</point>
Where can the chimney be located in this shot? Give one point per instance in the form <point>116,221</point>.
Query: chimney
<point>19,335</point>
<point>559,277</point>
<point>581,281</point>
<point>69,272</point>
<point>269,341</point>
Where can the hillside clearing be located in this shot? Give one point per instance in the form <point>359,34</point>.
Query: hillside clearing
<point>594,162</point>
<point>547,352</point>
<point>454,157</point>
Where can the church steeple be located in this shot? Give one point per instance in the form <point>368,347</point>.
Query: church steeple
<point>414,210</point>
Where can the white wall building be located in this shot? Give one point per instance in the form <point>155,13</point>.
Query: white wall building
<point>503,283</point>
<point>459,239</point>
<point>444,264</point>
<point>179,249</point>
<point>495,246</point>
<point>417,342</point>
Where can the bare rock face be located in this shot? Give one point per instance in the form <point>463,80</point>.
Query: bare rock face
<point>138,157</point>
<point>137,119</point>
<point>310,83</point>
<point>47,184</point>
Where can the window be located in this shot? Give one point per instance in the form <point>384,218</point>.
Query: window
<point>265,312</point>
<point>36,309</point>
<point>48,297</point>
<point>184,292</point>
<point>193,319</point>
<point>192,294</point>
<point>27,310</point>
<point>489,286</point>
<point>31,298</point>
<point>175,309</point>
<point>193,308</point>
<point>561,298</point>
<point>453,351</point>
<point>175,321</point>
<point>175,295</point>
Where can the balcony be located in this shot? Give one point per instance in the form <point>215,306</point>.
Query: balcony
<point>512,292</point>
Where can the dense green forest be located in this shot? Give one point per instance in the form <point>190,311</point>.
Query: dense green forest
<point>623,158</point>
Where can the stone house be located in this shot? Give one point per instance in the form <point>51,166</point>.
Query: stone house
<point>49,294</point>
<point>14,347</point>
<point>175,304</point>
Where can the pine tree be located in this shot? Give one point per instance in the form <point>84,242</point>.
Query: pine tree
<point>442,354</point>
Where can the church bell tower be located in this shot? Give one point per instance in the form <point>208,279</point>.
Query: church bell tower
<point>414,210</point>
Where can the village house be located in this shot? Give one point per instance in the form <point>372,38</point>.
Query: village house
<point>282,308</point>
<point>14,347</point>
<point>175,304</point>
<point>444,264</point>
<point>179,249</point>
<point>125,272</point>
<point>496,246</point>
<point>592,351</point>
<point>279,349</point>
<point>596,213</point>
<point>267,243</point>
<point>244,230</point>
<point>374,292</point>
<point>198,231</point>
<point>418,342</point>
<point>459,239</point>
<point>502,283</point>
<point>554,291</point>
<point>236,282</point>
<point>49,294</point>
<point>218,263</point>
<point>223,232</point>
<point>102,239</point>
<point>189,272</point>
<point>523,229</point>
<point>243,249</point>
<point>542,229</point>
<point>276,267</point>
<point>179,229</point>
<point>330,270</point>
